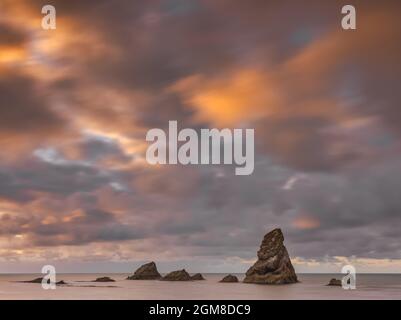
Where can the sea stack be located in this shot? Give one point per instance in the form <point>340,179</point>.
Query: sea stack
<point>147,271</point>
<point>273,265</point>
<point>179,275</point>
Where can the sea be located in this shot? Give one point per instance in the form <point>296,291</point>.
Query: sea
<point>310,287</point>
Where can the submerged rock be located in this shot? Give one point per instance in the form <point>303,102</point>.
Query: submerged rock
<point>39,280</point>
<point>335,282</point>
<point>104,279</point>
<point>36,280</point>
<point>229,278</point>
<point>179,275</point>
<point>147,271</point>
<point>197,276</point>
<point>273,265</point>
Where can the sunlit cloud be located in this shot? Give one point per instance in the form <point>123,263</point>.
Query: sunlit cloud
<point>76,103</point>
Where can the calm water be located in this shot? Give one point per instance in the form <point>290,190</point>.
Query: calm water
<point>312,286</point>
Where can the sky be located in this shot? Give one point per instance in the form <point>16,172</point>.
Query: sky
<point>76,103</point>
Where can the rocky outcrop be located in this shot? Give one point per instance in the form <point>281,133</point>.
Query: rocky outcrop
<point>273,265</point>
<point>104,279</point>
<point>36,280</point>
<point>39,280</point>
<point>147,271</point>
<point>179,275</point>
<point>335,282</point>
<point>197,276</point>
<point>229,278</point>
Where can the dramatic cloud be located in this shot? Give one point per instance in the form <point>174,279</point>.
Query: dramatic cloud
<point>76,103</point>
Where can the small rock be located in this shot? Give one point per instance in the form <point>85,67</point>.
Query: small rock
<point>335,282</point>
<point>104,279</point>
<point>39,280</point>
<point>147,271</point>
<point>229,278</point>
<point>179,275</point>
<point>197,276</point>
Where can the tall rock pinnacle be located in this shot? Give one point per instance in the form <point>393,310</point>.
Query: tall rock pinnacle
<point>273,265</point>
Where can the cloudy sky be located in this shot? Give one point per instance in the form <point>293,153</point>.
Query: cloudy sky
<point>76,103</point>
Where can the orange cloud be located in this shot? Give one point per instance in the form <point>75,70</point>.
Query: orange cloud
<point>235,98</point>
<point>306,222</point>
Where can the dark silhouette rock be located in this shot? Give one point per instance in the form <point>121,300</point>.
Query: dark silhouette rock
<point>36,280</point>
<point>335,282</point>
<point>229,278</point>
<point>39,280</point>
<point>273,265</point>
<point>147,271</point>
<point>179,275</point>
<point>104,279</point>
<point>197,276</point>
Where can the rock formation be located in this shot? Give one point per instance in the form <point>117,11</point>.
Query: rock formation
<point>179,275</point>
<point>104,279</point>
<point>273,265</point>
<point>335,282</point>
<point>197,276</point>
<point>36,280</point>
<point>229,278</point>
<point>39,280</point>
<point>147,271</point>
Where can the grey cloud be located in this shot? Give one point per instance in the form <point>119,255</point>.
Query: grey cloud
<point>94,226</point>
<point>19,183</point>
<point>94,149</point>
<point>24,109</point>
